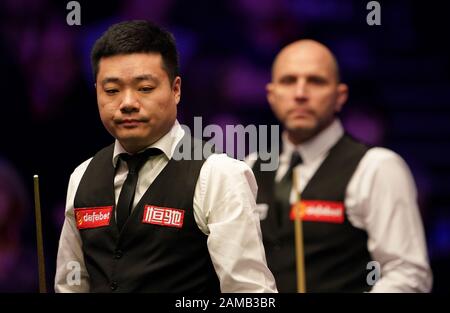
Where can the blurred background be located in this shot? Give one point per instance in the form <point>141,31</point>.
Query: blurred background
<point>398,73</point>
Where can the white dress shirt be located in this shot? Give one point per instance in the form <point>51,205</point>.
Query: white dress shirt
<point>380,199</point>
<point>224,210</point>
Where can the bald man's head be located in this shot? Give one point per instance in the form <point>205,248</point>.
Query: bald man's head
<point>306,48</point>
<point>305,92</point>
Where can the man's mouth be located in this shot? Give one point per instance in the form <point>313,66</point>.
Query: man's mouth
<point>300,113</point>
<point>130,122</point>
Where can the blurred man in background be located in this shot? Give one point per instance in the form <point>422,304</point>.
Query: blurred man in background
<point>358,203</point>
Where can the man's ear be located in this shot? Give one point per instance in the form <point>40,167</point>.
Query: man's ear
<point>342,96</point>
<point>270,93</point>
<point>176,88</point>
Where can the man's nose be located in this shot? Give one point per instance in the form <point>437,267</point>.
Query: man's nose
<point>130,102</point>
<point>301,92</point>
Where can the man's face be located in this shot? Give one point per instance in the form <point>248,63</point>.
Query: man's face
<point>304,93</point>
<point>136,100</point>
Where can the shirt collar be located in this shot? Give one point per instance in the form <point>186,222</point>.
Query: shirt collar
<point>166,143</point>
<point>316,146</point>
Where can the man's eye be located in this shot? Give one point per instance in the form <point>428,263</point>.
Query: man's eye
<point>111,91</point>
<point>317,80</point>
<point>146,89</point>
<point>288,80</point>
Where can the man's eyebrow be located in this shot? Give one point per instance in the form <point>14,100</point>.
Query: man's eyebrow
<point>318,76</point>
<point>145,77</point>
<point>287,76</point>
<point>110,80</point>
<point>136,79</point>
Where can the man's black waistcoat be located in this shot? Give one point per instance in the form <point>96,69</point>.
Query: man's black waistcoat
<point>146,257</point>
<point>336,254</point>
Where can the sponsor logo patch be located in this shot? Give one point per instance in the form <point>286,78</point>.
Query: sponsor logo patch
<point>319,211</point>
<point>93,217</point>
<point>163,216</point>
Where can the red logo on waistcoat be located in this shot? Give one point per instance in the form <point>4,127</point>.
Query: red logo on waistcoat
<point>93,217</point>
<point>163,216</point>
<point>319,211</point>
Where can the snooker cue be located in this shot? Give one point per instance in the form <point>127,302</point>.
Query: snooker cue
<point>299,247</point>
<point>40,244</point>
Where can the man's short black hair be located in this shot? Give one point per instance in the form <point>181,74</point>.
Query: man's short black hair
<point>137,37</point>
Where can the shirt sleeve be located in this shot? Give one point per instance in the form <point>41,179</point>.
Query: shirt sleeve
<point>225,210</point>
<point>71,274</point>
<point>382,199</point>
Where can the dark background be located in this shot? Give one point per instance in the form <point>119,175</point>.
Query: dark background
<point>398,75</point>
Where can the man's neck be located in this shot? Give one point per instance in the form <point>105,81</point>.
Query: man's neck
<point>297,138</point>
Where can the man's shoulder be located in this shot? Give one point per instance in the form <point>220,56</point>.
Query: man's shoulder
<point>229,173</point>
<point>81,168</point>
<point>104,152</point>
<point>383,160</point>
<point>382,155</point>
<point>222,163</point>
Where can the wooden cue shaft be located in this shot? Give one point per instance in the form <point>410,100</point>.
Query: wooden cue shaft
<point>40,243</point>
<point>299,248</point>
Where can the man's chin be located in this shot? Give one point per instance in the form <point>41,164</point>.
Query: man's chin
<point>301,127</point>
<point>132,133</point>
<point>134,143</point>
<point>301,133</point>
